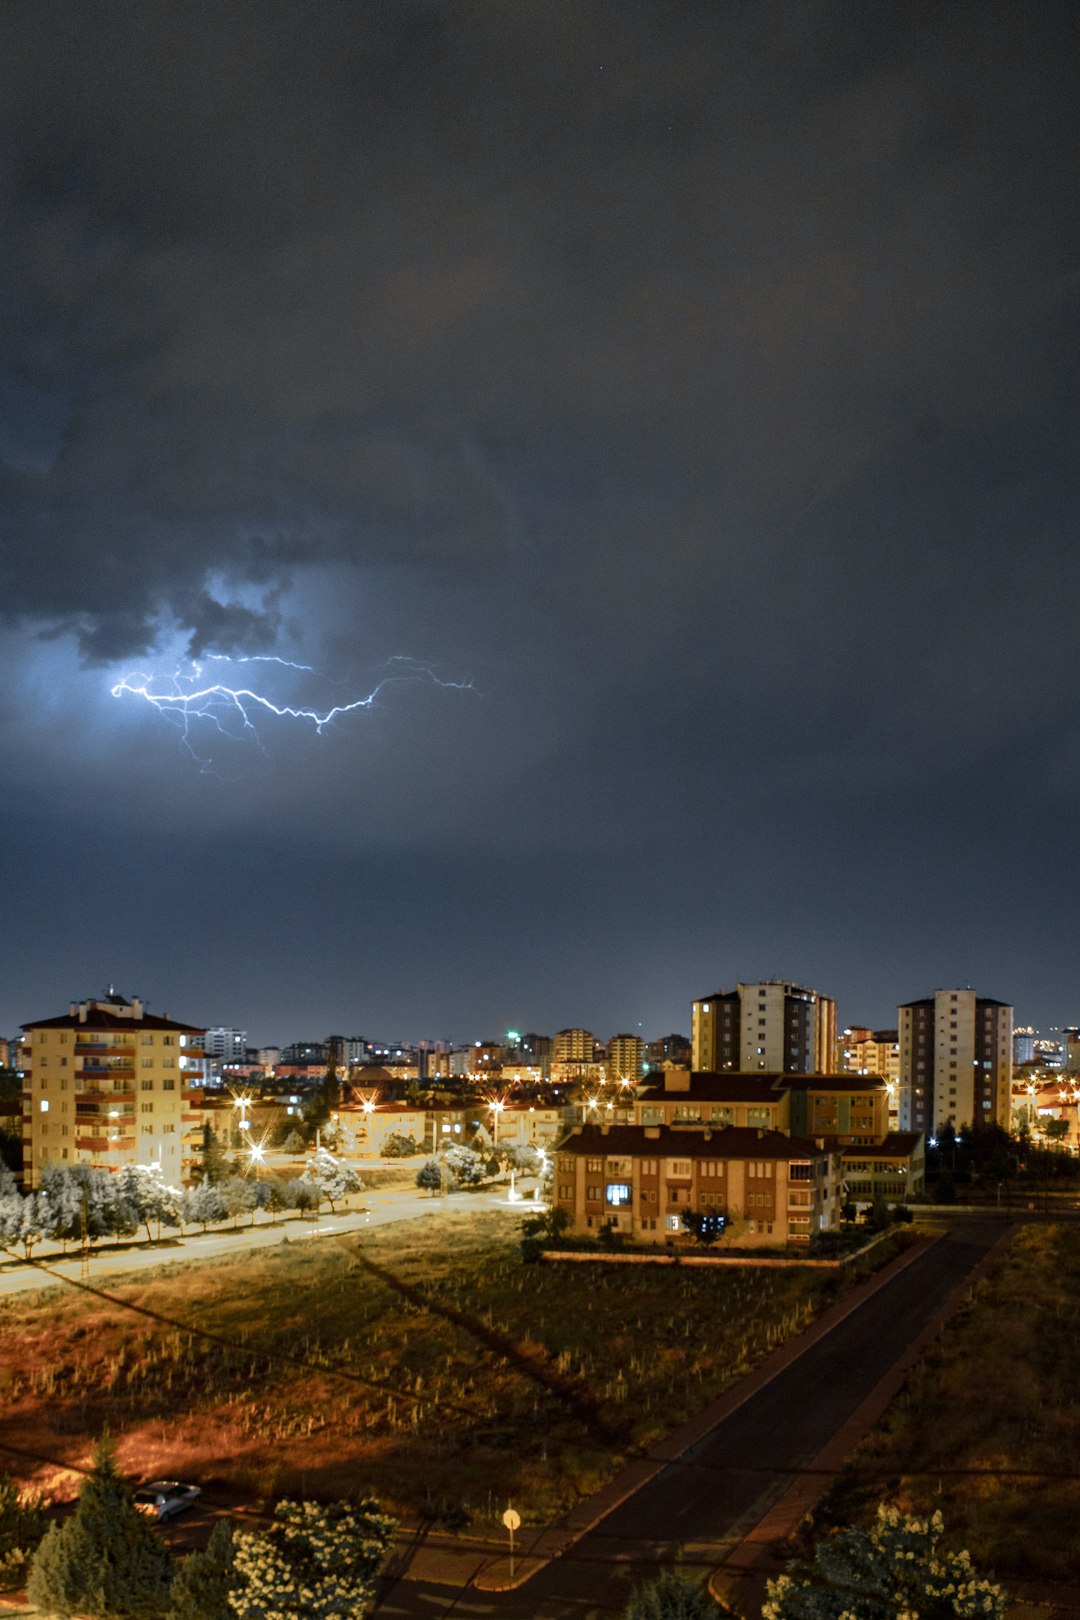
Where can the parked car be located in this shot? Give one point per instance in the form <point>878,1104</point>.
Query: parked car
<point>164,1497</point>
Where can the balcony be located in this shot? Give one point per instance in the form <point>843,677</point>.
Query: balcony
<point>105,1144</point>
<point>105,1048</point>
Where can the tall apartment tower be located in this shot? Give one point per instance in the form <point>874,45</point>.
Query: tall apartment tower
<point>956,1053</point>
<point>107,1084</point>
<point>773,1025</point>
<point>626,1057</point>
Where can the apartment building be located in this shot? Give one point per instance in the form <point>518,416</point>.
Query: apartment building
<point>956,1052</point>
<point>639,1180</point>
<point>626,1057</point>
<point>771,1025</point>
<point>108,1084</point>
<point>893,1169</point>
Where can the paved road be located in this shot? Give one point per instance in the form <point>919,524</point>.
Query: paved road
<point>381,1206</point>
<point>706,1501</point>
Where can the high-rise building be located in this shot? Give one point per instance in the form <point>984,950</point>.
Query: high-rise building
<point>575,1046</point>
<point>955,1061</point>
<point>223,1045</point>
<point>108,1084</point>
<point>626,1057</point>
<point>771,1025</point>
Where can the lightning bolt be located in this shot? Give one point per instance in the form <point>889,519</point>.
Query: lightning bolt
<point>186,696</point>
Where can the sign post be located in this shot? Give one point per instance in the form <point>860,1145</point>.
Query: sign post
<point>512,1521</point>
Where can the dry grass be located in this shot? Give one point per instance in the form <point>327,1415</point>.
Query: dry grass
<point>463,1422</point>
<point>999,1391</point>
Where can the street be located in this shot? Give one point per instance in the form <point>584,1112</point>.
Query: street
<point>703,1503</point>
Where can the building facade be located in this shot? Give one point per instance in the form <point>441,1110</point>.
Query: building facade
<point>108,1084</point>
<point>769,1025</point>
<point>956,1051</point>
<point>772,1189</point>
<point>626,1057</point>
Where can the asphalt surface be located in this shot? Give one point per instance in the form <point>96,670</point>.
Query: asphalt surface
<point>704,1503</point>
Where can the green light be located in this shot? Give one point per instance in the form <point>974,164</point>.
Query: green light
<point>512,1035</point>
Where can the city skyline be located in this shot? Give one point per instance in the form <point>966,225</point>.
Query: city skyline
<point>518,514</point>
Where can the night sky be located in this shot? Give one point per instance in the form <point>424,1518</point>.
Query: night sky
<point>691,388</point>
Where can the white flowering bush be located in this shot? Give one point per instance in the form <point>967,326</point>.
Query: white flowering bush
<point>896,1570</point>
<point>314,1560</point>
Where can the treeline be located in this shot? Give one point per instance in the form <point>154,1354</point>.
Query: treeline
<point>81,1204</point>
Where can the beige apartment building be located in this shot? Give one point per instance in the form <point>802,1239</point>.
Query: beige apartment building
<point>107,1084</point>
<point>956,1060</point>
<point>769,1025</point>
<point>774,1189</point>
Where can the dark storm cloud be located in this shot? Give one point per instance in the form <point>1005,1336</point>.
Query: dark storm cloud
<point>700,377</point>
<point>402,283</point>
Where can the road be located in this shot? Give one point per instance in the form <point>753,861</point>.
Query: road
<point>379,1207</point>
<point>705,1502</point>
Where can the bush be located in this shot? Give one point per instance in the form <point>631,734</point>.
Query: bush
<point>398,1146</point>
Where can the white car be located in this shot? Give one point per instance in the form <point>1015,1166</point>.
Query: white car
<point>164,1497</point>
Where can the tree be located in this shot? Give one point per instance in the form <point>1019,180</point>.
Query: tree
<point>898,1567</point>
<point>203,1204</point>
<point>317,1561</point>
<point>213,1165</point>
<point>430,1176</point>
<point>105,1561</point>
<point>22,1524</point>
<point>673,1595</point>
<point>144,1187</point>
<point>201,1586</point>
<point>294,1143</point>
<point>331,1179</point>
<point>242,1196</point>
<point>34,1220</point>
<point>706,1226</point>
<point>398,1146</point>
<point>466,1167</point>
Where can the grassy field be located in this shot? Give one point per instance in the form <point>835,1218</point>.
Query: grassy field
<point>423,1362</point>
<point>1000,1391</point>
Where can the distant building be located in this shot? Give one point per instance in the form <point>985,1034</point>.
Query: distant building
<point>769,1025</point>
<point>626,1057</point>
<point>108,1084</point>
<point>669,1049</point>
<point>576,1046</point>
<point>224,1045</point>
<point>955,1061</point>
<point>301,1054</point>
<point>1071,1041</point>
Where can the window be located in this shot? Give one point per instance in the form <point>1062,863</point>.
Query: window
<point>169,1130</point>
<point>593,1192</point>
<point>146,1085</point>
<point>170,1085</point>
<point>672,1223</point>
<point>44,1105</point>
<point>618,1193</point>
<point>146,1108</point>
